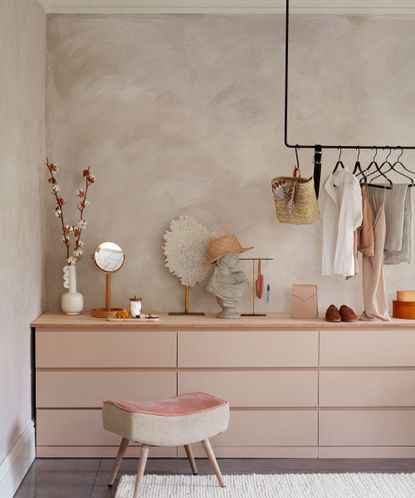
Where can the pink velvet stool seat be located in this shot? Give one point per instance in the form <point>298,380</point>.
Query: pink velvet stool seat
<point>179,421</point>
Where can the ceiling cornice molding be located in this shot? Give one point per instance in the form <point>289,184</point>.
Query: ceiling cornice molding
<point>228,6</point>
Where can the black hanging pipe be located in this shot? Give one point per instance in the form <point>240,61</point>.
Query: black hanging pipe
<point>309,146</point>
<point>287,37</point>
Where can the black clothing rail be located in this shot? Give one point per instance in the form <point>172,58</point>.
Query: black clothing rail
<point>309,146</point>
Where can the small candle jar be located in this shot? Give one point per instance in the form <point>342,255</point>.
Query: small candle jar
<point>135,307</point>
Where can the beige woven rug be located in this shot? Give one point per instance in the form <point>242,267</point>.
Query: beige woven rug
<point>273,486</point>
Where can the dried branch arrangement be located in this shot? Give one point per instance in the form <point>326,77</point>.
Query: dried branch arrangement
<point>71,231</point>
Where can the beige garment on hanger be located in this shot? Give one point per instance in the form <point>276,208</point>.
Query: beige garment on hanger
<point>365,233</point>
<point>363,236</point>
<point>374,291</point>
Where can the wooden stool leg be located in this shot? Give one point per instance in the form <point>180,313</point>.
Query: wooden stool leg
<point>191,458</point>
<point>140,470</point>
<point>120,455</point>
<point>209,452</point>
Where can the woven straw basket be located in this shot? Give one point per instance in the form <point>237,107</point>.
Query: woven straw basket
<point>306,209</point>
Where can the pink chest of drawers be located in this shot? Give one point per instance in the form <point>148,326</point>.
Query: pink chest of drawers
<point>296,388</point>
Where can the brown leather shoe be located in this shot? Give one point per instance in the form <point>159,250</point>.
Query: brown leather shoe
<point>332,314</point>
<point>347,314</point>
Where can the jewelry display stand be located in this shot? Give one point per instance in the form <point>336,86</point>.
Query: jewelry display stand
<point>253,284</point>
<point>186,306</point>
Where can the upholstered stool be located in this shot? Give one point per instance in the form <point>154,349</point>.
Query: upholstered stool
<point>180,421</point>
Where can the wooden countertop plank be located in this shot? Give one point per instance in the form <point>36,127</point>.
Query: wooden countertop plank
<point>273,321</point>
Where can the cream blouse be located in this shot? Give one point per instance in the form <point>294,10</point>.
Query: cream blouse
<point>341,216</point>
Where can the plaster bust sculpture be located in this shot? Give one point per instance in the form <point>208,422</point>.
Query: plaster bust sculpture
<point>226,282</point>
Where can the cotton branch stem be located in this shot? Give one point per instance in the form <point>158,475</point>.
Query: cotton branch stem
<point>82,207</point>
<point>67,241</point>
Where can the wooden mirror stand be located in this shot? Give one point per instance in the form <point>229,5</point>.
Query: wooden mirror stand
<point>108,311</point>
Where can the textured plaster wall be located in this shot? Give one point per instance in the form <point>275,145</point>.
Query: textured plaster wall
<point>22,146</point>
<point>183,114</point>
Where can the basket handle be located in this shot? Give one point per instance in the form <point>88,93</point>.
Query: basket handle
<point>297,171</point>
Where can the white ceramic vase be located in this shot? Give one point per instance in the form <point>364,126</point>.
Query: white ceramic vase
<point>72,302</point>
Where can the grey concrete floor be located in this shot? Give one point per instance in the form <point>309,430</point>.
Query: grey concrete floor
<point>87,477</point>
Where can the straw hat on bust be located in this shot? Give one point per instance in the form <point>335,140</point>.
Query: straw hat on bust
<point>222,246</point>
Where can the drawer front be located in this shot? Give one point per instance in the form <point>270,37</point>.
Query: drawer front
<point>95,349</point>
<point>99,452</point>
<point>367,388</point>
<point>72,428</point>
<point>88,389</point>
<point>227,348</point>
<point>77,433</point>
<point>375,348</point>
<point>250,428</point>
<point>255,389</point>
<point>367,427</point>
<point>270,428</point>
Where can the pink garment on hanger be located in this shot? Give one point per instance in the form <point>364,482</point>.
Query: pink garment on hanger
<point>365,234</point>
<point>363,237</point>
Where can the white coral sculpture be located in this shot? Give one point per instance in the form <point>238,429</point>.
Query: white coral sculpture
<point>185,248</point>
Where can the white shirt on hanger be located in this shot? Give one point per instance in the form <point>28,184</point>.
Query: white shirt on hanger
<point>341,216</point>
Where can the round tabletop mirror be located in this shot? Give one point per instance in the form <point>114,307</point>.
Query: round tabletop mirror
<point>108,258</point>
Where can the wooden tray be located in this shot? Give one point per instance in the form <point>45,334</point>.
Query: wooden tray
<point>404,309</point>
<point>138,320</point>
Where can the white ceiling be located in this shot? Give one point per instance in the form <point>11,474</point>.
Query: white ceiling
<point>227,6</point>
